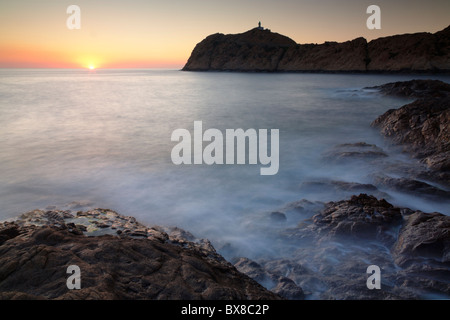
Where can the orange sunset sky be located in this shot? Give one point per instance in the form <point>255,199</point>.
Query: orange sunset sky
<point>152,34</point>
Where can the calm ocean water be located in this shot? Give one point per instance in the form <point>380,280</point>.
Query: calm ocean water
<point>103,138</point>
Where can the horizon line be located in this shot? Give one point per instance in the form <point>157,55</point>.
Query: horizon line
<point>92,70</point>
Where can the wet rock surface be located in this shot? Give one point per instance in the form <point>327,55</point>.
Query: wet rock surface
<point>361,217</point>
<point>119,259</point>
<point>328,255</point>
<point>424,237</point>
<point>385,173</point>
<point>412,186</point>
<point>423,126</point>
<point>324,257</point>
<point>415,89</point>
<point>354,151</point>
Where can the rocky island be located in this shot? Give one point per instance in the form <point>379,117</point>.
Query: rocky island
<point>260,50</point>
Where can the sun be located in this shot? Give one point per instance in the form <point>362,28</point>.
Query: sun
<point>91,67</point>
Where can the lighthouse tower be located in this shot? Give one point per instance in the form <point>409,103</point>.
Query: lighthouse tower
<point>259,26</point>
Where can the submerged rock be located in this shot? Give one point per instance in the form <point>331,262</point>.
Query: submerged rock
<point>423,127</point>
<point>412,186</point>
<point>340,189</point>
<point>254,50</point>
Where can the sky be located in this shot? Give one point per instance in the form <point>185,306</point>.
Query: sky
<point>162,34</point>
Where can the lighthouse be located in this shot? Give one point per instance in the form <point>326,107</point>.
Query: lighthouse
<point>259,26</point>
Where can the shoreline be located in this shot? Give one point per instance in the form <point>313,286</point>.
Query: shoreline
<point>359,72</point>
<point>412,247</point>
<point>407,235</point>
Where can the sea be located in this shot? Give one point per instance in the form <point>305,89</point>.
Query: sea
<point>102,139</point>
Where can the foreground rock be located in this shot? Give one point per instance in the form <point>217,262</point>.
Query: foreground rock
<point>424,236</point>
<point>128,261</point>
<point>356,151</point>
<point>263,50</point>
<point>423,126</point>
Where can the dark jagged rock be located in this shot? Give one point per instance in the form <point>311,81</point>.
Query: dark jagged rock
<point>423,126</point>
<point>424,237</point>
<point>263,50</point>
<point>326,185</point>
<point>339,189</point>
<point>415,89</point>
<point>354,151</point>
<point>272,279</point>
<point>9,231</point>
<point>35,253</point>
<point>411,248</point>
<point>349,56</point>
<point>254,50</point>
<point>362,216</point>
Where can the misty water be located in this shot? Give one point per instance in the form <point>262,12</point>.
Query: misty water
<point>103,138</point>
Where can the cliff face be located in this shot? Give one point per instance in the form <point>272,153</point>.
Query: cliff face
<point>262,50</point>
<point>330,56</point>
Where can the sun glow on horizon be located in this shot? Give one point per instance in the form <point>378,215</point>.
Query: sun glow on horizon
<point>152,34</point>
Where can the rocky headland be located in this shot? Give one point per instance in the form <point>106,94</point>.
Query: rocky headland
<point>119,258</point>
<point>328,254</point>
<point>260,50</point>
